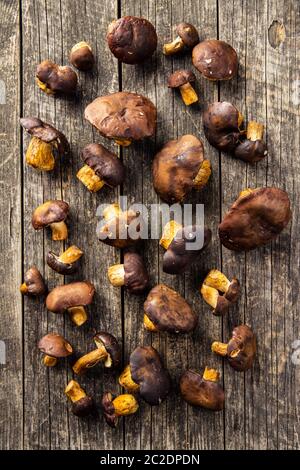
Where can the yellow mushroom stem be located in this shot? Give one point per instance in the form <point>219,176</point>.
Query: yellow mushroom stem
<point>148,324</point>
<point>59,231</point>
<point>116,275</point>
<point>245,192</point>
<point>111,211</point>
<point>211,374</point>
<point>217,280</point>
<point>203,175</point>
<point>125,405</point>
<point>44,88</point>
<point>23,288</point>
<point>219,348</point>
<point>240,119</point>
<point>40,155</point>
<point>169,232</point>
<point>255,131</point>
<point>188,94</point>
<point>78,315</point>
<point>72,254</point>
<point>49,361</point>
<point>174,46</point>
<point>90,360</point>
<point>210,295</point>
<point>123,142</point>
<point>74,392</point>
<point>89,178</point>
<point>125,380</point>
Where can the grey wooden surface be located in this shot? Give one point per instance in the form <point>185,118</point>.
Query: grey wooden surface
<point>262,406</point>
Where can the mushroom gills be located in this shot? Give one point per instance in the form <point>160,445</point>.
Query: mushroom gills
<point>125,380</point>
<point>219,348</point>
<point>39,154</point>
<point>89,178</point>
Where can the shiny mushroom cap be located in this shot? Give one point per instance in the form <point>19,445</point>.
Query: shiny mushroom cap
<point>34,283</point>
<point>48,213</point>
<point>253,148</point>
<point>70,295</point>
<point>83,407</point>
<point>47,133</point>
<point>181,77</point>
<point>188,33</point>
<point>112,347</point>
<point>136,277</point>
<point>241,348</point>
<point>200,391</point>
<point>81,56</point>
<point>215,60</point>
<point>53,78</point>
<point>55,345</point>
<point>107,166</point>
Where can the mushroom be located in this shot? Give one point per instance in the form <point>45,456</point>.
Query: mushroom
<point>122,405</point>
<point>131,39</point>
<point>132,273</point>
<point>146,375</point>
<point>34,283</point>
<point>179,167</point>
<point>101,167</point>
<point>187,36</point>
<point>166,310</point>
<point>256,217</point>
<point>253,149</point>
<point>205,391</point>
<point>122,116</point>
<point>52,78</point>
<point>66,263</point>
<point>240,350</point>
<point>222,123</point>
<point>219,292</point>
<point>52,214</point>
<point>54,346</point>
<point>82,404</point>
<point>178,242</point>
<point>72,297</point>
<point>81,56</point>
<point>46,144</point>
<point>215,60</point>
<point>108,351</point>
<point>182,79</point>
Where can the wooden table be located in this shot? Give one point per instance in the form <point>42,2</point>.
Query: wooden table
<point>262,406</point>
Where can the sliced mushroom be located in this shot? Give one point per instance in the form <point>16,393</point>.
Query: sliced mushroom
<point>215,60</point>
<point>34,283</point>
<point>122,405</point>
<point>187,36</point>
<point>205,391</point>
<point>182,79</point>
<point>240,351</point>
<point>52,78</point>
<point>81,56</point>
<point>253,149</point>
<point>66,263</point>
<point>54,346</point>
<point>82,404</point>
<point>219,292</point>
<point>52,214</point>
<point>132,274</point>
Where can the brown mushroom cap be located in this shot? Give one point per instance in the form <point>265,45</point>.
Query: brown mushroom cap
<point>255,219</point>
<point>175,167</point>
<point>131,39</point>
<point>48,213</point>
<point>60,266</point>
<point>215,60</point>
<point>149,373</point>
<point>251,151</point>
<point>181,77</point>
<point>188,34</point>
<point>122,115</point>
<point>241,348</point>
<point>197,391</point>
<point>116,231</point>
<point>81,56</point>
<point>74,294</point>
<point>83,407</point>
<point>221,126</point>
<point>55,345</point>
<point>59,79</point>
<point>110,343</point>
<point>47,133</point>
<point>107,166</point>
<point>34,282</point>
<point>136,276</point>
<point>168,311</point>
<point>109,410</point>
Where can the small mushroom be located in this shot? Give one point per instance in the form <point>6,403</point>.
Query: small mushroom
<point>179,167</point>
<point>82,57</point>
<point>166,310</point>
<point>131,39</point>
<point>52,78</point>
<point>215,60</point>
<point>256,218</point>
<point>66,263</point>
<point>122,405</point>
<point>101,167</point>
<point>108,351</point>
<point>47,144</point>
<point>54,346</point>
<point>178,242</point>
<point>146,375</point>
<point>182,79</point>
<point>240,351</point>
<point>187,36</point>
<point>205,391</point>
<point>132,273</point>
<point>219,292</point>
<point>52,214</point>
<point>253,149</point>
<point>72,297</point>
<point>123,117</point>
<point>34,283</point>
<point>82,404</point>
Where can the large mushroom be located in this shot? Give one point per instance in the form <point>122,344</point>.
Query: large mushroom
<point>256,218</point>
<point>215,60</point>
<point>146,375</point>
<point>123,117</point>
<point>34,283</point>
<point>182,79</point>
<point>204,391</point>
<point>187,37</point>
<point>52,214</point>
<point>82,404</point>
<point>122,405</point>
<point>54,346</point>
<point>179,167</point>
<point>52,78</point>
<point>253,148</point>
<point>219,292</point>
<point>81,56</point>
<point>132,273</point>
<point>66,263</point>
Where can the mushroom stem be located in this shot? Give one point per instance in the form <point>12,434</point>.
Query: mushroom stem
<point>49,361</point>
<point>203,175</point>
<point>245,192</point>
<point>74,392</point>
<point>59,231</point>
<point>72,254</point>
<point>211,374</point>
<point>123,143</point>
<point>210,295</point>
<point>255,131</point>
<point>125,405</point>
<point>23,288</point>
<point>116,275</point>
<point>125,380</point>
<point>90,360</point>
<point>113,210</point>
<point>169,232</point>
<point>240,119</point>
<point>219,348</point>
<point>78,315</point>
<point>174,46</point>
<point>39,155</point>
<point>148,324</point>
<point>89,178</point>
<point>188,94</point>
<point>217,280</point>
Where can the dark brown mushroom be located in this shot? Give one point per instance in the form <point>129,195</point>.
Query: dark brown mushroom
<point>101,167</point>
<point>132,274</point>
<point>52,214</point>
<point>182,79</point>
<point>205,391</point>
<point>82,404</point>
<point>122,116</point>
<point>240,351</point>
<point>187,37</point>
<point>81,56</point>
<point>253,148</point>
<point>131,39</point>
<point>54,346</point>
<point>219,292</point>
<point>215,60</point>
<point>179,167</point>
<point>66,263</point>
<point>256,218</point>
<point>34,283</point>
<point>52,78</point>
<point>122,405</point>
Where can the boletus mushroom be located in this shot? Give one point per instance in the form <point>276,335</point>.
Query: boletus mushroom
<point>66,263</point>
<point>54,346</point>
<point>166,310</point>
<point>72,298</point>
<point>52,214</point>
<point>46,145</point>
<point>82,57</point>
<point>82,404</point>
<point>34,283</point>
<point>219,292</point>
<point>101,167</point>
<point>187,37</point>
<point>131,39</point>
<point>146,375</point>
<point>122,405</point>
<point>132,273</point>
<point>107,351</point>
<point>253,148</point>
<point>215,60</point>
<point>240,350</point>
<point>123,117</point>
<point>178,242</point>
<point>56,79</point>
<point>179,167</point>
<point>204,391</point>
<point>255,219</point>
<point>182,79</point>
